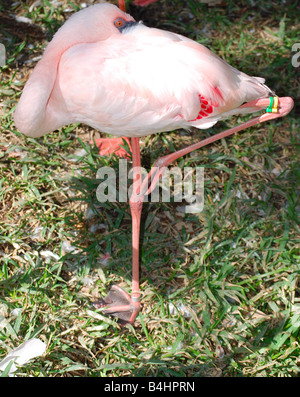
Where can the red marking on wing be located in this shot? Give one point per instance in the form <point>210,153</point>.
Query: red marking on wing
<point>205,108</point>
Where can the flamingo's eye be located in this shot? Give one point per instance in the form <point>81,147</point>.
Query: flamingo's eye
<point>119,23</point>
<point>122,25</point>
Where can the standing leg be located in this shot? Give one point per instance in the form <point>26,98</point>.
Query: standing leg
<point>136,204</point>
<point>118,302</point>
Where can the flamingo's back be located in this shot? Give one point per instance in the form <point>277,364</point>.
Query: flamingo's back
<point>133,83</point>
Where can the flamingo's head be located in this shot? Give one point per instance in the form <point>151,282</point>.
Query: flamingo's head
<point>94,23</point>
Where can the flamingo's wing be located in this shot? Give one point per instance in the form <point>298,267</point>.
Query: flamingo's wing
<point>147,81</point>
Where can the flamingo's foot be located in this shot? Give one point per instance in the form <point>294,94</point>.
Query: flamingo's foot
<point>108,146</point>
<point>119,303</point>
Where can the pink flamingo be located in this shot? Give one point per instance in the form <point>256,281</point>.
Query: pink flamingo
<point>106,70</point>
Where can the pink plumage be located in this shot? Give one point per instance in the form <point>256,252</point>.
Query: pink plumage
<point>106,70</point>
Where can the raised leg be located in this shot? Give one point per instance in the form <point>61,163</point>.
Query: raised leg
<point>283,106</point>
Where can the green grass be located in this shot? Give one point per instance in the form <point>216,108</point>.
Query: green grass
<point>220,288</point>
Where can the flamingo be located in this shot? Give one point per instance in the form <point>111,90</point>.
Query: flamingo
<point>106,70</point>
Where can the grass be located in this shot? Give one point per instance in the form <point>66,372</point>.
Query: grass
<point>220,288</point>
